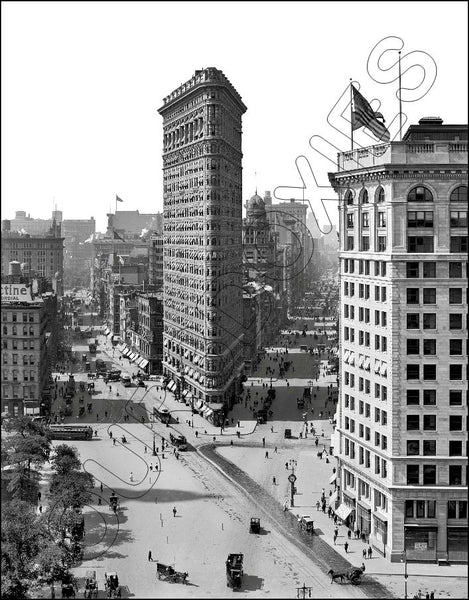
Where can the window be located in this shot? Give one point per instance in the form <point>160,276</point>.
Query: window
<point>455,321</point>
<point>455,397</point>
<point>381,243</point>
<point>459,194</point>
<point>429,372</point>
<point>429,296</point>
<point>412,270</point>
<point>412,474</point>
<point>413,296</point>
<point>455,347</point>
<point>413,321</point>
<point>457,510</point>
<point>413,346</point>
<point>381,219</point>
<point>429,347</point>
<point>455,295</point>
<point>458,243</point>
<point>413,447</point>
<point>420,244</point>
<point>429,269</point>
<point>379,195</point>
<point>429,474</point>
<point>349,197</point>
<point>383,294</point>
<point>363,198</point>
<point>350,242</point>
<point>429,447</point>
<point>455,422</point>
<point>413,397</point>
<point>458,218</point>
<point>429,422</point>
<point>429,320</point>
<point>420,218</point>
<point>455,372</point>
<point>455,269</point>
<point>383,319</point>
<point>420,194</point>
<point>413,372</point>
<point>429,397</point>
<point>455,474</point>
<point>350,221</point>
<point>365,219</point>
<point>365,244</point>
<point>413,422</point>
<point>455,448</point>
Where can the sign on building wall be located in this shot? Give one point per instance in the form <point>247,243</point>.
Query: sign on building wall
<point>16,292</point>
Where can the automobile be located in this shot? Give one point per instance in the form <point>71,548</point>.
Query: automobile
<point>287,434</point>
<point>255,525</point>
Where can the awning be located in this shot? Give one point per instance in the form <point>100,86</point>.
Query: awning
<point>332,499</point>
<point>144,364</point>
<point>115,338</point>
<point>199,404</point>
<point>191,372</point>
<point>171,385</point>
<point>384,369</point>
<point>120,347</point>
<point>132,355</point>
<point>106,331</point>
<point>137,357</point>
<point>165,343</point>
<point>343,511</point>
<point>196,376</point>
<point>201,379</point>
<point>346,355</point>
<point>352,358</point>
<point>189,396</point>
<point>140,360</point>
<point>367,363</point>
<point>186,370</point>
<point>184,393</point>
<point>196,360</point>
<point>207,412</point>
<point>126,351</point>
<point>186,354</point>
<point>333,478</point>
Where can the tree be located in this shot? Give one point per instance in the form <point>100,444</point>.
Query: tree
<point>71,490</point>
<point>65,459</point>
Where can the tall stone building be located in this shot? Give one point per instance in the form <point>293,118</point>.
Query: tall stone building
<point>203,322</point>
<point>402,417</point>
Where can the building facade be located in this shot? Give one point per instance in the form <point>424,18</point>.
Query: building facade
<point>77,253</point>
<point>402,416</point>
<point>203,321</point>
<point>28,346</point>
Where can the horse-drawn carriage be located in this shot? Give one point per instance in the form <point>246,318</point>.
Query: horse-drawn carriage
<point>167,573</point>
<point>91,585</point>
<point>112,585</point>
<point>255,525</point>
<point>353,575</point>
<point>306,523</point>
<point>234,570</point>
<point>114,504</point>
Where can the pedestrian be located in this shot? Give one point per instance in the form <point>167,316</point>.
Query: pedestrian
<point>318,505</point>
<point>370,552</point>
<point>40,508</point>
<point>427,596</point>
<point>97,417</point>
<point>149,556</point>
<point>274,481</point>
<point>196,434</point>
<point>114,441</point>
<point>105,414</point>
<point>174,511</point>
<point>263,442</point>
<point>39,495</point>
<point>432,595</point>
<point>323,493</point>
<point>357,534</point>
<point>349,534</point>
<point>364,553</point>
<point>335,538</point>
<point>131,476</point>
<point>151,466</point>
<point>275,449</point>
<point>101,487</point>
<point>286,467</point>
<point>110,388</point>
<point>267,455</point>
<point>346,547</point>
<point>110,434</point>
<point>99,501</point>
<point>145,449</point>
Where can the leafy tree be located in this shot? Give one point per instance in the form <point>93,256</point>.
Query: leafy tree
<point>23,484</point>
<point>71,490</point>
<point>65,459</point>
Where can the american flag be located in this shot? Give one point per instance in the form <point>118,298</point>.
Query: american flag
<point>364,116</point>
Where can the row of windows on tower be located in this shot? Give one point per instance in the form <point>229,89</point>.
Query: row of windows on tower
<point>418,193</point>
<point>429,296</point>
<point>416,219</point>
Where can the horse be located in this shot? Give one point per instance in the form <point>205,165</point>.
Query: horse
<point>335,575</point>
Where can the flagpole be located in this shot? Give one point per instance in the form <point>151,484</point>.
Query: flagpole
<point>400,99</point>
<point>351,119</point>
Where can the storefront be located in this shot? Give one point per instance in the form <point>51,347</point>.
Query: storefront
<point>420,542</point>
<point>457,544</point>
<point>363,522</point>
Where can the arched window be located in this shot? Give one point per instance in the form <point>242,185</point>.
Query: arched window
<point>459,194</point>
<point>363,199</point>
<point>420,194</point>
<point>349,197</point>
<point>379,195</point>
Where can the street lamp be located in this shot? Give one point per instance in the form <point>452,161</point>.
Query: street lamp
<point>154,446</point>
<point>404,560</point>
<point>292,478</point>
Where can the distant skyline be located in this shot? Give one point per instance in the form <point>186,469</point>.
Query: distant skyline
<point>82,82</point>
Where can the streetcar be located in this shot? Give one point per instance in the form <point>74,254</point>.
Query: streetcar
<point>70,432</point>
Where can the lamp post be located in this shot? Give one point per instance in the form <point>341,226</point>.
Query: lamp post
<point>404,560</point>
<point>154,446</point>
<point>292,478</point>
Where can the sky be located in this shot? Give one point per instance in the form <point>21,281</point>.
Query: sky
<point>82,83</point>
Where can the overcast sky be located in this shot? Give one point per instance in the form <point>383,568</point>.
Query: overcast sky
<point>82,82</point>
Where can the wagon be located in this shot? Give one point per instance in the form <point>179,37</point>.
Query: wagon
<point>255,525</point>
<point>91,585</point>
<point>234,570</point>
<point>167,573</point>
<point>112,585</point>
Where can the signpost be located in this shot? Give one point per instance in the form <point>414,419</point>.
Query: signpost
<point>292,479</point>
